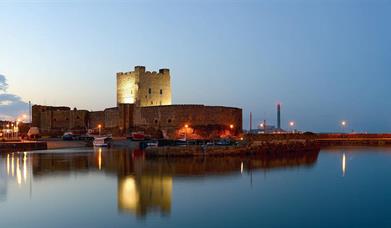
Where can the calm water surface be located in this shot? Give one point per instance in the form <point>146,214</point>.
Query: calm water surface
<point>340,187</point>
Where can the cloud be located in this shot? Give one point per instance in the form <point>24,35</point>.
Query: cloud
<point>11,105</point>
<point>3,83</point>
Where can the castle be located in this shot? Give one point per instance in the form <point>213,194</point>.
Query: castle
<point>144,103</point>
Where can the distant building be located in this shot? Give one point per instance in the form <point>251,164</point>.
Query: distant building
<point>267,129</point>
<point>143,104</point>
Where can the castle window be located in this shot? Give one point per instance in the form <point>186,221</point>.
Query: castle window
<point>161,91</point>
<point>151,102</point>
<point>156,121</point>
<point>78,117</point>
<point>160,102</point>
<point>54,120</point>
<point>149,90</point>
<point>169,120</point>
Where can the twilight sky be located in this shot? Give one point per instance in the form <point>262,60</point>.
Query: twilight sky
<point>324,60</point>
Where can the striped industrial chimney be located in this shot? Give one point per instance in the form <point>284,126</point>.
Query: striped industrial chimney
<point>278,116</point>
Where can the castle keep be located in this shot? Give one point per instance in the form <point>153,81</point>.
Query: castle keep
<point>143,104</point>
<point>144,88</point>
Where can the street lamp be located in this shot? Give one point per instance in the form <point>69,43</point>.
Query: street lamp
<point>231,126</point>
<point>292,125</point>
<point>12,131</point>
<point>7,131</point>
<point>343,124</point>
<point>99,128</point>
<point>17,128</point>
<point>186,127</point>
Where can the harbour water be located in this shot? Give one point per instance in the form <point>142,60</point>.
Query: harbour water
<point>338,187</point>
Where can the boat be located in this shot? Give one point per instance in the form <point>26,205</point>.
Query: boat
<point>137,136</point>
<point>102,141</point>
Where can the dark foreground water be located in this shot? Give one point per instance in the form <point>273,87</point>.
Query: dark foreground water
<point>342,187</point>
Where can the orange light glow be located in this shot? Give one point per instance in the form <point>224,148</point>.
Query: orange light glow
<point>231,126</point>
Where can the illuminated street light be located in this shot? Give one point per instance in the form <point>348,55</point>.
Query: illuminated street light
<point>99,127</point>
<point>343,123</point>
<point>231,126</point>
<point>186,127</point>
<point>291,124</point>
<point>17,128</point>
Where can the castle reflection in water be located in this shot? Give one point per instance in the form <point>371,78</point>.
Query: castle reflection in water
<point>144,185</point>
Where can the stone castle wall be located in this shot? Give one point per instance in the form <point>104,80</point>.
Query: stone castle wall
<point>59,119</point>
<point>202,121</point>
<point>144,88</point>
<point>169,121</point>
<point>96,118</point>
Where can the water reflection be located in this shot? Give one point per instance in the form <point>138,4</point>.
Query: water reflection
<point>141,194</point>
<point>343,164</point>
<point>143,185</point>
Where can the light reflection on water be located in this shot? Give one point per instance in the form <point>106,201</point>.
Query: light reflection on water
<point>121,188</point>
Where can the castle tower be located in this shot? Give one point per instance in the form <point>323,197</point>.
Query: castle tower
<point>144,88</point>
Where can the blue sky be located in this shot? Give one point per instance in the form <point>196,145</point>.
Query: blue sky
<point>323,60</point>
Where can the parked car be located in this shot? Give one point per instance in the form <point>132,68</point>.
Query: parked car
<point>69,136</point>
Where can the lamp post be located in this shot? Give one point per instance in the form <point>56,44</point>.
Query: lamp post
<point>7,131</point>
<point>292,125</point>
<point>262,126</point>
<point>343,125</point>
<point>12,131</point>
<point>99,128</point>
<point>17,128</point>
<point>186,127</point>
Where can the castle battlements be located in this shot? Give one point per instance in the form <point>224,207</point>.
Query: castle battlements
<point>141,70</point>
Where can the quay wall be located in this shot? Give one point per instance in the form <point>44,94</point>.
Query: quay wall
<point>22,146</point>
<point>266,149</point>
<point>324,139</point>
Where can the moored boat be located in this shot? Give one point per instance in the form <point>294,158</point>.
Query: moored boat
<point>102,141</point>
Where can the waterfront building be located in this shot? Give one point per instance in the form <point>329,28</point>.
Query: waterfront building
<point>143,104</point>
